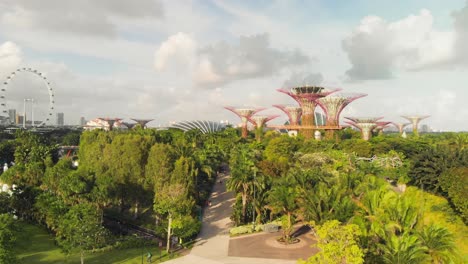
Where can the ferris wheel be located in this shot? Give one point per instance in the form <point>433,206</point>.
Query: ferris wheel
<point>9,79</point>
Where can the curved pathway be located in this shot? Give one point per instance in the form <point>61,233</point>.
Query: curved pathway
<point>213,241</point>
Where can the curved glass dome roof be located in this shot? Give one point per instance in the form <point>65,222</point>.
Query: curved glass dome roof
<point>203,125</point>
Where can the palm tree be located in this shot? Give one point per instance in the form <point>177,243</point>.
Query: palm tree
<point>282,198</point>
<point>242,174</point>
<point>403,250</point>
<point>439,243</point>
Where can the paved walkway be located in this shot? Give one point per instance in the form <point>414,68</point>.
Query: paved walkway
<point>213,241</point>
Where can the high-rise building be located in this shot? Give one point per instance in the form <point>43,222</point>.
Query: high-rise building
<point>19,119</point>
<point>12,116</point>
<point>60,119</point>
<point>82,121</point>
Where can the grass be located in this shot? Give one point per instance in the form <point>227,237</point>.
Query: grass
<point>35,245</point>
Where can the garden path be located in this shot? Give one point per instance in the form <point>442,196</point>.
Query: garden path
<point>213,241</point>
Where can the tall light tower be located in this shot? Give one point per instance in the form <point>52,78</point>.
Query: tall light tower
<point>32,112</point>
<point>24,110</point>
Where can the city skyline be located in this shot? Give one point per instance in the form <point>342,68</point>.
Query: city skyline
<point>181,60</point>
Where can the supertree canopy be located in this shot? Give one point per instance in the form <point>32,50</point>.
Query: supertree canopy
<point>381,125</point>
<point>307,96</point>
<point>400,126</point>
<point>294,113</point>
<point>365,124</point>
<point>244,113</point>
<point>110,121</point>
<point>129,125</point>
<point>334,104</point>
<point>415,119</point>
<point>259,122</point>
<point>142,122</point>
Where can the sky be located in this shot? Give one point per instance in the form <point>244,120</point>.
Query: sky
<point>175,60</point>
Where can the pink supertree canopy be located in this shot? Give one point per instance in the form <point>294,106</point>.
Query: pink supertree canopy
<point>334,104</point>
<point>244,113</point>
<point>294,113</point>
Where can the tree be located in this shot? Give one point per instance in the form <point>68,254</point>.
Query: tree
<point>53,175</point>
<point>403,249</point>
<point>338,244</point>
<point>80,229</point>
<point>160,165</point>
<point>186,226</point>
<point>282,198</point>
<point>172,201</point>
<point>8,233</point>
<point>242,174</point>
<point>71,139</point>
<point>454,183</point>
<point>49,210</point>
<point>440,244</point>
<point>126,157</point>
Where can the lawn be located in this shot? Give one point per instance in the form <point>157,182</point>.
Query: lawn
<point>35,245</point>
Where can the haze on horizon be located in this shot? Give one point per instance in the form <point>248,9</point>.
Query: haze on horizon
<point>183,60</point>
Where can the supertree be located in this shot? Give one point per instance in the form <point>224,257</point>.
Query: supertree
<point>294,113</point>
<point>110,121</point>
<point>365,124</point>
<point>415,121</point>
<point>333,105</point>
<point>259,123</point>
<point>400,126</point>
<point>129,125</point>
<point>381,125</point>
<point>307,96</point>
<point>244,113</point>
<point>142,122</point>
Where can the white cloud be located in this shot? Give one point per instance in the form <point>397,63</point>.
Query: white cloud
<point>75,17</point>
<point>377,48</point>
<point>461,30</point>
<point>221,63</point>
<point>10,57</point>
<point>177,50</point>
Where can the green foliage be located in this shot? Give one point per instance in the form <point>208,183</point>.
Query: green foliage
<point>454,182</point>
<point>7,151</point>
<point>80,229</point>
<point>242,174</point>
<point>281,150</point>
<point>50,210</point>
<point>160,165</point>
<point>359,147</point>
<point>338,244</point>
<point>186,226</point>
<point>71,139</point>
<point>283,198</point>
<point>439,243</point>
<point>8,235</point>
<point>403,249</point>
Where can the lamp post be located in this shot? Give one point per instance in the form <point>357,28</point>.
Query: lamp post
<point>253,204</point>
<point>32,112</point>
